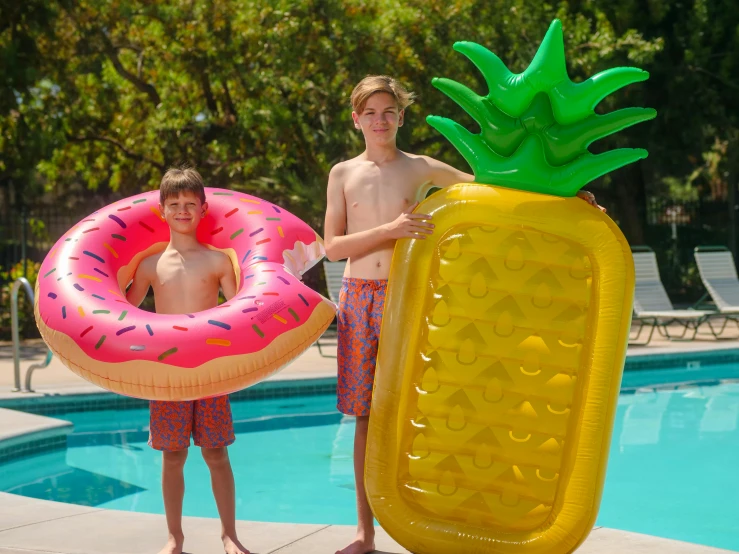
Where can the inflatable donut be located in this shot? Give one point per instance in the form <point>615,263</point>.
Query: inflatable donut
<point>83,315</point>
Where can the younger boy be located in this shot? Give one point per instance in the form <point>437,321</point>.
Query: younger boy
<point>186,278</point>
<point>369,206</point>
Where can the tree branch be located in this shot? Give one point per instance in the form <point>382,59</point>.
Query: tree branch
<point>128,153</point>
<point>230,108</point>
<point>210,101</point>
<point>717,77</point>
<point>140,84</point>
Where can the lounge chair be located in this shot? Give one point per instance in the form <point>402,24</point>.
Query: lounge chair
<point>334,273</point>
<point>653,308</point>
<point>718,273</point>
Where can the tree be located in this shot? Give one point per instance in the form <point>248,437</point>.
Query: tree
<point>27,136</point>
<point>256,94</point>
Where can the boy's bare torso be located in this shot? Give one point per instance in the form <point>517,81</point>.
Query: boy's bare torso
<point>185,281</point>
<point>377,194</point>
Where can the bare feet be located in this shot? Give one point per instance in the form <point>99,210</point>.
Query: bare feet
<point>174,545</point>
<point>233,546</point>
<point>361,545</point>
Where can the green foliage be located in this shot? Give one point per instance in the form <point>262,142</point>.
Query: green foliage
<point>255,93</point>
<point>26,322</point>
<point>28,135</point>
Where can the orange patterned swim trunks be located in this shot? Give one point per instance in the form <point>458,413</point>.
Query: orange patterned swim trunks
<point>208,420</point>
<point>361,302</point>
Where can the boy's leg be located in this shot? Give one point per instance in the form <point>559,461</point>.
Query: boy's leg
<point>365,540</point>
<point>170,424</point>
<point>173,491</point>
<point>358,336</point>
<point>213,432</point>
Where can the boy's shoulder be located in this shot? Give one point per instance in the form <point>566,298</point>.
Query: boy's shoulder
<point>342,169</point>
<point>147,267</point>
<point>420,167</point>
<point>215,255</point>
<point>217,260</point>
<point>419,159</point>
<point>150,262</point>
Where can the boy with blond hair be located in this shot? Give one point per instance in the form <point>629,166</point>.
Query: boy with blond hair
<point>370,203</point>
<point>186,278</point>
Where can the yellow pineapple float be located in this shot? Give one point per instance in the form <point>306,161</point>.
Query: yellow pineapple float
<point>505,332</point>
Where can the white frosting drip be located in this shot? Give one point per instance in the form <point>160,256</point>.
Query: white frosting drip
<point>303,256</point>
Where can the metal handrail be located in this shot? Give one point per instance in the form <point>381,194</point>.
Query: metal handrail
<point>34,367</point>
<point>22,281</point>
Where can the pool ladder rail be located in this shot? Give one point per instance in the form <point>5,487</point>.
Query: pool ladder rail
<point>22,281</point>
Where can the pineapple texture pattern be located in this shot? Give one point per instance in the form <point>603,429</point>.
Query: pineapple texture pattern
<point>501,354</point>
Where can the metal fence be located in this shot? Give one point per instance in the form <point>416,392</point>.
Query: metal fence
<point>29,234</point>
<point>26,235</point>
<point>673,229</point>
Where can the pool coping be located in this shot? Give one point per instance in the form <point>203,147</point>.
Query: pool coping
<point>285,384</point>
<point>29,525</point>
<point>664,356</point>
<point>23,434</point>
<point>42,433</point>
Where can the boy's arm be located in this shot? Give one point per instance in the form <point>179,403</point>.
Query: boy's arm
<point>140,285</point>
<point>227,278</point>
<point>443,175</point>
<point>340,246</point>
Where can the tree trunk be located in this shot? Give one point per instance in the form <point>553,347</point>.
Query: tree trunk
<point>631,201</point>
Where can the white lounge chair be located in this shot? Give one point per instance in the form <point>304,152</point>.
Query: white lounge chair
<point>333,273</point>
<point>718,273</point>
<point>653,308</point>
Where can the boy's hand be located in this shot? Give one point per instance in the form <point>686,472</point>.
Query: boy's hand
<point>589,197</point>
<point>410,225</point>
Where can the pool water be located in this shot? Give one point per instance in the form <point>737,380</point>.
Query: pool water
<point>673,466</point>
<point>672,469</point>
<point>287,453</point>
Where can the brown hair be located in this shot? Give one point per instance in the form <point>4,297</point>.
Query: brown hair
<point>178,180</point>
<point>372,84</point>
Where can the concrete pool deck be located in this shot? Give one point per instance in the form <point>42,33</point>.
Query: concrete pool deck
<point>30,526</point>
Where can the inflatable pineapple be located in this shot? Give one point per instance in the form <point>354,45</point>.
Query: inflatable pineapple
<point>504,333</point>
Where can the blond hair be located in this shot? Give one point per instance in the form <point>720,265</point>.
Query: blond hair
<point>181,179</point>
<point>372,84</point>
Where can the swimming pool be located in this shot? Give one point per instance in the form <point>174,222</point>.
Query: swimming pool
<point>672,467</point>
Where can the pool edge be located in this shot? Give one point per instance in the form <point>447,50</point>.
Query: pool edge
<point>52,527</point>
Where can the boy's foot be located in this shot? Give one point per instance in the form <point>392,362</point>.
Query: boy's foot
<point>233,546</point>
<point>174,546</point>
<point>361,545</point>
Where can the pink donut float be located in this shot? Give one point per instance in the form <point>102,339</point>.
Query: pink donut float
<point>85,319</point>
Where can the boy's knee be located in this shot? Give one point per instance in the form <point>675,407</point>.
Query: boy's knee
<point>175,458</point>
<point>215,456</point>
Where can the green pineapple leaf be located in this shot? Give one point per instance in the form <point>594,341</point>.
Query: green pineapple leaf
<point>562,143</point>
<point>513,93</point>
<point>527,168</point>
<point>543,103</point>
